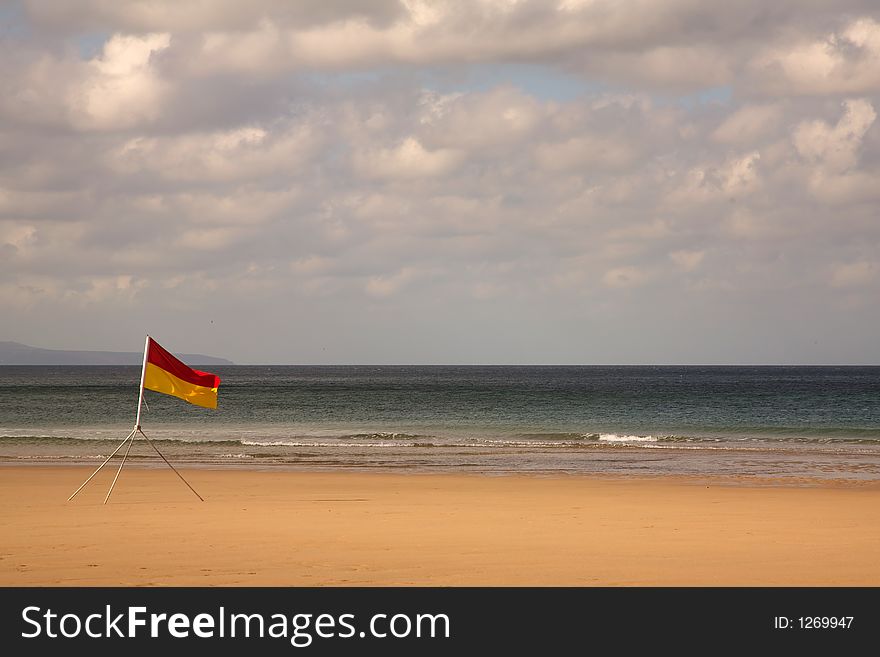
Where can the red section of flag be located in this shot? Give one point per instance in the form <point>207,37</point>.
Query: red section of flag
<point>162,358</point>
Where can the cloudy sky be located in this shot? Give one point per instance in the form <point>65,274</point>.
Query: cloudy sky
<point>415,181</point>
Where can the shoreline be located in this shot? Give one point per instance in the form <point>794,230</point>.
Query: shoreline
<point>814,464</point>
<point>713,479</point>
<point>286,528</point>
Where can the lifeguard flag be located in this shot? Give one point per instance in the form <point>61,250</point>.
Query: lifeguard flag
<point>165,373</point>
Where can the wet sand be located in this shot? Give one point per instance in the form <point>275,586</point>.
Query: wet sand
<point>348,528</point>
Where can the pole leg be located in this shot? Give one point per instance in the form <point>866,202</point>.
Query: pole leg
<point>169,464</point>
<point>100,467</point>
<point>121,465</point>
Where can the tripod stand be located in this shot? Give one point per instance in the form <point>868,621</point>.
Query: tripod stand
<point>130,440</point>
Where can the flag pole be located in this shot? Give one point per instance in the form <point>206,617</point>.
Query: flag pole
<point>137,422</point>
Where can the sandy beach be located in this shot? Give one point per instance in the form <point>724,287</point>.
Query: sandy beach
<point>330,529</point>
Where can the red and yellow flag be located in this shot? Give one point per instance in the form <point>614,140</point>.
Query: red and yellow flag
<point>164,373</point>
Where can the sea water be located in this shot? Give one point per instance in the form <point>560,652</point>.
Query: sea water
<point>795,422</point>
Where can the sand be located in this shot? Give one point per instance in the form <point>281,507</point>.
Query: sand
<point>349,528</point>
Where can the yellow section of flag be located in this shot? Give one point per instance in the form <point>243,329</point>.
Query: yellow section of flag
<point>158,380</point>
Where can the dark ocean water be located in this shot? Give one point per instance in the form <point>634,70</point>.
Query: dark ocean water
<point>805,422</point>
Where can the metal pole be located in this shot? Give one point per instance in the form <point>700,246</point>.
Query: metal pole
<point>137,422</point>
<point>100,467</point>
<point>119,471</point>
<point>169,464</point>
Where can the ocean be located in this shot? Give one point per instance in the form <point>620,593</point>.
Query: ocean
<point>799,423</point>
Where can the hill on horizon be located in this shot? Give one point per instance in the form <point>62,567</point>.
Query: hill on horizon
<point>16,353</point>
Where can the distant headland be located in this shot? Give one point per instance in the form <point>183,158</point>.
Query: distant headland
<point>15,353</point>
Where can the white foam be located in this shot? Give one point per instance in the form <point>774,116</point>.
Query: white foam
<point>295,443</point>
<point>273,443</point>
<point>614,438</point>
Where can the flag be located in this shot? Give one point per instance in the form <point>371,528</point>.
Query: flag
<point>166,374</point>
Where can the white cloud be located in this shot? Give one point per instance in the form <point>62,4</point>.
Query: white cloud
<point>624,277</point>
<point>484,123</point>
<point>381,287</point>
<point>408,160</point>
<point>240,154</point>
<point>854,274</point>
<point>711,182</point>
<point>17,235</point>
<point>835,147</point>
<point>199,16</point>
<point>587,152</point>
<point>748,124</point>
<point>845,61</point>
<point>208,239</point>
<point>687,260</point>
<point>740,174</point>
<point>652,230</point>
<point>678,43</point>
<point>676,66</point>
<point>121,87</point>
